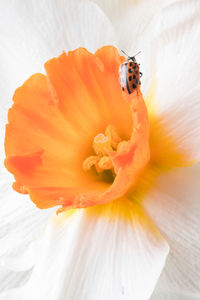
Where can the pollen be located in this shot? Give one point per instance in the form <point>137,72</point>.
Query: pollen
<point>103,144</point>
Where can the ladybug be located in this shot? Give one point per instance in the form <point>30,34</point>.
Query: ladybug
<point>129,74</point>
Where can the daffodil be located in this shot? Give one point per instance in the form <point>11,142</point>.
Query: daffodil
<point>118,172</point>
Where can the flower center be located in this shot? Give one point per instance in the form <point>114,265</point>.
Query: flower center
<point>102,145</point>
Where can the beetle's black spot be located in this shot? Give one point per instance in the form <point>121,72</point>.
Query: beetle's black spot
<point>137,81</point>
<point>136,72</point>
<point>134,86</point>
<point>130,64</point>
<point>134,77</point>
<point>122,88</point>
<point>129,78</point>
<point>130,70</point>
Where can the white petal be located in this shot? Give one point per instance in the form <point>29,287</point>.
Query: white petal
<point>91,255</point>
<point>14,294</point>
<point>178,12</point>
<point>135,26</point>
<point>131,18</point>
<point>10,280</point>
<point>176,76</point>
<point>174,296</point>
<point>21,223</point>
<point>175,208</point>
<point>34,31</point>
<point>23,261</point>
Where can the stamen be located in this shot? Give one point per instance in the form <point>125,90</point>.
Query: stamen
<point>112,135</point>
<point>89,162</point>
<point>105,163</point>
<point>102,145</point>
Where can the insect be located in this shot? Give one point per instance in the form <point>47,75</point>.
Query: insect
<point>129,74</point>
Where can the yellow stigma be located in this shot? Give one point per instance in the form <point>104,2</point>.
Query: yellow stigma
<point>102,145</point>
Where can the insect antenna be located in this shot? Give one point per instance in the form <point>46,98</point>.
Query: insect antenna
<point>125,53</point>
<point>131,57</point>
<point>137,53</point>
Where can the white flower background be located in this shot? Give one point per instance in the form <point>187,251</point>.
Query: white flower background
<point>168,35</point>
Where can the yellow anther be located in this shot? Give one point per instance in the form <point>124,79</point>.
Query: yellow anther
<point>101,144</point>
<point>112,135</point>
<point>105,163</point>
<point>98,169</point>
<point>90,162</point>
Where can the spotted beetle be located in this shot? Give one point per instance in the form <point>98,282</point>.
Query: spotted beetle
<point>129,74</point>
